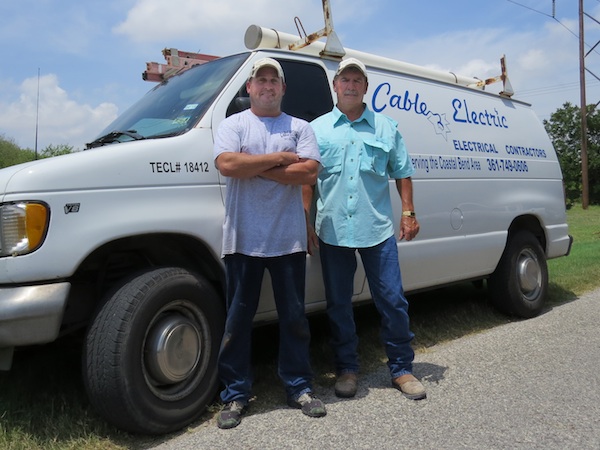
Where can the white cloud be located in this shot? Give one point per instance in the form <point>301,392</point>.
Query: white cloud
<point>544,57</point>
<point>61,120</point>
<point>533,60</point>
<point>218,26</point>
<point>65,40</point>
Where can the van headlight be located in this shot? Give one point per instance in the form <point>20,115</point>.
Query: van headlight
<point>23,227</point>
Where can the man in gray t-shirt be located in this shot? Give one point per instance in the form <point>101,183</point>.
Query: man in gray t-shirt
<point>267,156</point>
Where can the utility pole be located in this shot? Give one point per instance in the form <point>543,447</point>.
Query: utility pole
<point>584,155</point>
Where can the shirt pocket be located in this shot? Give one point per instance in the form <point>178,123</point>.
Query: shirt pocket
<point>331,165</point>
<point>376,157</point>
<point>332,157</point>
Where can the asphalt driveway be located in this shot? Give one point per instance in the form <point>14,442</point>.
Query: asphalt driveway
<point>533,384</point>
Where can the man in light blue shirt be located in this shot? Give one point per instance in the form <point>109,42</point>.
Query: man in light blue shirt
<point>360,151</point>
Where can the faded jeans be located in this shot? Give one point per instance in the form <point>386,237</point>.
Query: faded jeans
<point>385,282</point>
<point>244,275</point>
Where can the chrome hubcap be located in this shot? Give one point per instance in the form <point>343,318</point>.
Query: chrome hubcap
<point>173,349</point>
<point>529,274</point>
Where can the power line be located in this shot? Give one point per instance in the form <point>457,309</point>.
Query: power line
<point>534,10</point>
<point>556,88</point>
<point>545,90</point>
<point>553,16</point>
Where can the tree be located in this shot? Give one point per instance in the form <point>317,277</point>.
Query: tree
<point>56,150</point>
<point>564,129</point>
<point>11,153</point>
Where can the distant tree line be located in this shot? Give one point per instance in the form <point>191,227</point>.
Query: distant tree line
<point>564,129</point>
<point>11,153</point>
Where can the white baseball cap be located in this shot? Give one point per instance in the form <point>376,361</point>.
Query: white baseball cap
<point>351,62</point>
<point>267,62</point>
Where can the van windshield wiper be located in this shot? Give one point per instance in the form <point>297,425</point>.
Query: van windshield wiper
<point>113,136</point>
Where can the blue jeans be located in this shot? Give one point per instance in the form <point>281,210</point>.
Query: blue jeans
<point>385,282</point>
<point>244,275</point>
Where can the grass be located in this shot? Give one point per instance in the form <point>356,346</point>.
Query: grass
<point>43,404</point>
<point>579,272</point>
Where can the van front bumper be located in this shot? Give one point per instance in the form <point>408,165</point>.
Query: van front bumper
<point>31,314</point>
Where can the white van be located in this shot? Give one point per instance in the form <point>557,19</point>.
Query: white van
<point>123,240</point>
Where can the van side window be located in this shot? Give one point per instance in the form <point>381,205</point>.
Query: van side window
<point>240,102</point>
<point>307,94</point>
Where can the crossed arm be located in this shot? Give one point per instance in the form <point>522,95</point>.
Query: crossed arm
<point>283,167</point>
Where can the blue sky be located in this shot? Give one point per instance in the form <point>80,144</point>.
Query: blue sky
<point>90,54</point>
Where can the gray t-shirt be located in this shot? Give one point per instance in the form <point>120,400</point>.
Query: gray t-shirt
<point>264,218</point>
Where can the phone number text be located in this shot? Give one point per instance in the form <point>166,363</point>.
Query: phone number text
<point>507,165</point>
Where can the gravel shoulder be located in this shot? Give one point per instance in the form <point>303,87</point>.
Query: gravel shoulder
<point>524,385</point>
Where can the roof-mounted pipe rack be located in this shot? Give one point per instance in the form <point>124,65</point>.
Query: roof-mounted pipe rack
<point>333,49</point>
<point>260,37</point>
<point>507,90</point>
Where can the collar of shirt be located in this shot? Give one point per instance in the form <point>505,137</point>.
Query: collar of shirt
<point>340,118</point>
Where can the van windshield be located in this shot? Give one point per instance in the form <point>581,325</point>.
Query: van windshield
<point>174,106</point>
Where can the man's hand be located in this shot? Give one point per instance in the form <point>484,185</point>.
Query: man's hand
<point>307,199</point>
<point>243,165</point>
<point>409,228</point>
<point>287,158</point>
<point>313,239</point>
<point>300,171</point>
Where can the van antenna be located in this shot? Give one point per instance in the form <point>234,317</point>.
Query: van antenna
<point>333,47</point>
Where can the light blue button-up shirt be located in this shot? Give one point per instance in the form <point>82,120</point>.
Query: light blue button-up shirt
<point>353,193</point>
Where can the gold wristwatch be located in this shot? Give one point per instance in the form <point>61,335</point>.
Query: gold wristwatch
<point>409,214</point>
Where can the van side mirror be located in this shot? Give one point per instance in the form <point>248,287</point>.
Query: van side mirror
<point>238,104</point>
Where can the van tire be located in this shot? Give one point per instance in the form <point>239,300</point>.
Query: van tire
<point>519,284</point>
<point>150,359</point>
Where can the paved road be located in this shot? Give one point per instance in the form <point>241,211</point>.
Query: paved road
<point>533,384</point>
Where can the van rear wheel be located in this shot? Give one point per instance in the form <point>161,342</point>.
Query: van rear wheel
<point>151,352</point>
<point>519,284</point>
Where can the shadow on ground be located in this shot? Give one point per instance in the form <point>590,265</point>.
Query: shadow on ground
<point>43,395</point>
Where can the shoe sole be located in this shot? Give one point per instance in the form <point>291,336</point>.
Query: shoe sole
<point>228,425</point>
<point>419,396</point>
<point>343,394</point>
<point>296,405</point>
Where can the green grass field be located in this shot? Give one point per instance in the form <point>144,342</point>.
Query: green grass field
<point>43,405</point>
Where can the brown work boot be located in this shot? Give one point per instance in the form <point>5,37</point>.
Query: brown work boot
<point>346,385</point>
<point>410,387</point>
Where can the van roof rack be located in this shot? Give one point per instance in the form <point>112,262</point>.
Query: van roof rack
<point>261,37</point>
<point>333,48</point>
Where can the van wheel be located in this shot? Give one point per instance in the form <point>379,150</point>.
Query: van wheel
<point>519,284</point>
<point>150,355</point>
